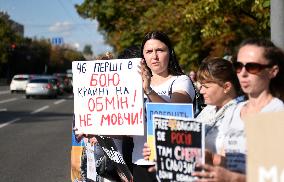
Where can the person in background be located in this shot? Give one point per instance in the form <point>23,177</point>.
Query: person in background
<point>98,152</point>
<point>127,141</point>
<point>221,90</point>
<point>228,54</point>
<point>124,144</point>
<point>76,154</point>
<point>163,81</point>
<point>192,75</point>
<point>199,103</point>
<point>259,67</point>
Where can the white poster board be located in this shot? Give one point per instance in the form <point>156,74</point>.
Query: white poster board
<point>108,97</point>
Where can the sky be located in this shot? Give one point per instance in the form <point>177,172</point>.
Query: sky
<point>55,18</point>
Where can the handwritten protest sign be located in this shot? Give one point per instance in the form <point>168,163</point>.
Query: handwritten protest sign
<point>265,161</point>
<point>165,109</point>
<point>179,147</point>
<point>108,97</point>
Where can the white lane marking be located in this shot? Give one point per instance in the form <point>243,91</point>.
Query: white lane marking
<point>59,101</point>
<point>9,122</point>
<point>40,109</point>
<point>8,100</point>
<point>4,92</point>
<point>3,109</point>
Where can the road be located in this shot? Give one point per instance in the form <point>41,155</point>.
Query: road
<point>35,138</point>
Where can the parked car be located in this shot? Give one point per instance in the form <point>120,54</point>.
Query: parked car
<point>19,83</point>
<point>41,86</point>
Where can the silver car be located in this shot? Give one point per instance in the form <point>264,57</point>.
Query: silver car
<point>41,87</point>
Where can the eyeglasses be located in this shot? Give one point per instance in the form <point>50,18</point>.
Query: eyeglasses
<point>252,68</point>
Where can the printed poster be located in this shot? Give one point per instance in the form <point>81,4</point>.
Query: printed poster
<point>108,97</point>
<point>179,146</point>
<point>164,109</point>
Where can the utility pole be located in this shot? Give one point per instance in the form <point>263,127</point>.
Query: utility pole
<point>277,22</point>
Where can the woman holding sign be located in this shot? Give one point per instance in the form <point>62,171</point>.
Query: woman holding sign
<point>163,81</point>
<point>221,90</point>
<point>259,68</point>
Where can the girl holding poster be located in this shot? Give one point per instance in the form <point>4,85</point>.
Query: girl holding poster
<point>221,90</point>
<point>259,68</point>
<point>163,81</point>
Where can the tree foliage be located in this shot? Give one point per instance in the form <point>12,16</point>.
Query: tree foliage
<point>87,50</point>
<point>61,58</point>
<point>197,28</point>
<point>8,38</point>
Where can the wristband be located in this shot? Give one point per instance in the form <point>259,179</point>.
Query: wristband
<point>149,91</point>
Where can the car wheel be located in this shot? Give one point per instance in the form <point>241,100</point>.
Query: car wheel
<point>28,96</point>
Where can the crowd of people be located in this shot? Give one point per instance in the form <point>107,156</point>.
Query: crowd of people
<point>248,83</point>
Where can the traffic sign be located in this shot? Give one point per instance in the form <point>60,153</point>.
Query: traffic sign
<point>57,40</point>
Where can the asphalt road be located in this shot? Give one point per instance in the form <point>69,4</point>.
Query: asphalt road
<point>35,138</point>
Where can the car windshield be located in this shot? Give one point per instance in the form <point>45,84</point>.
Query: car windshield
<point>20,79</point>
<point>39,81</point>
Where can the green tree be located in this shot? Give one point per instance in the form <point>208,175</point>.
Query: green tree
<point>9,44</point>
<point>61,58</point>
<point>39,54</point>
<point>88,50</point>
<point>7,37</point>
<point>198,28</point>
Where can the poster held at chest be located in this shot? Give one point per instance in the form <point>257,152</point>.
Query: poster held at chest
<point>179,146</point>
<point>108,97</point>
<point>164,109</point>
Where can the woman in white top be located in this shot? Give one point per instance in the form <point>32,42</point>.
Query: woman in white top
<point>259,67</point>
<point>220,88</point>
<point>163,81</point>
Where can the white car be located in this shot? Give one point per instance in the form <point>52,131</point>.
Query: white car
<point>19,83</point>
